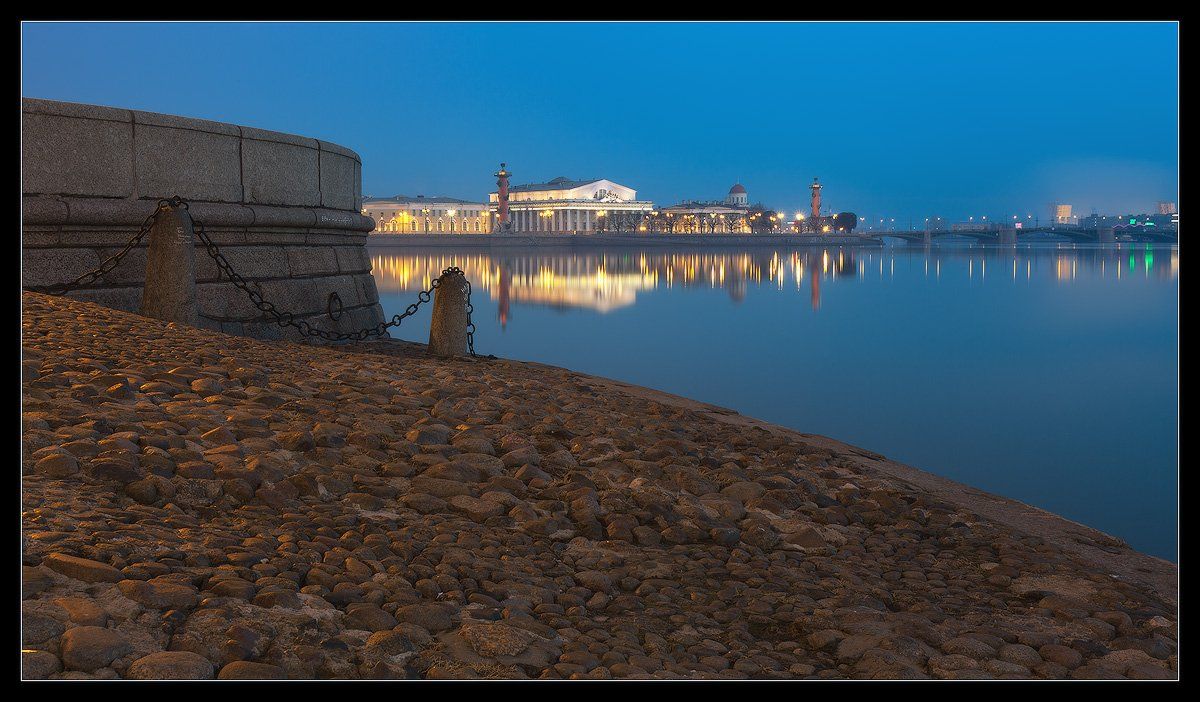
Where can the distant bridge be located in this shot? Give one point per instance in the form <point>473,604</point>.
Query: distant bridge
<point>1012,235</point>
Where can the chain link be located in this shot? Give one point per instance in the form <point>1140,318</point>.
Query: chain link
<point>286,319</point>
<point>283,319</point>
<point>111,262</point>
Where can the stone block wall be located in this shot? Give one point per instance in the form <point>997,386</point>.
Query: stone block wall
<point>283,208</point>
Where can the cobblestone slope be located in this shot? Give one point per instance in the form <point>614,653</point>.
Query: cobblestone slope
<point>201,505</point>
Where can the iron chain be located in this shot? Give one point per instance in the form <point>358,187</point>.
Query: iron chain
<point>286,319</point>
<point>111,262</point>
<point>283,319</point>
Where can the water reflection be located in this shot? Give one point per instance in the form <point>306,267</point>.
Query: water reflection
<point>607,280</point>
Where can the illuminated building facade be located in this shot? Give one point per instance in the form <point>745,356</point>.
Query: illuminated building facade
<point>701,218</point>
<point>427,215</point>
<point>697,217</point>
<point>1061,214</point>
<point>563,205</point>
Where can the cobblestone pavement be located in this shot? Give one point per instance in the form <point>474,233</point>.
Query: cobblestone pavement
<point>199,505</point>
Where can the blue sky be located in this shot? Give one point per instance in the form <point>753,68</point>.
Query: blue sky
<point>905,120</point>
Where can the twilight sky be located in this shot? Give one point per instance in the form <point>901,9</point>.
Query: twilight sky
<point>901,120</point>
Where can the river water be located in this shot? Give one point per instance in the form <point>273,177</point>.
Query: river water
<point>1046,373</point>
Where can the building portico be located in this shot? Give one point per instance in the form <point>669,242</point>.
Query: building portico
<point>569,206</point>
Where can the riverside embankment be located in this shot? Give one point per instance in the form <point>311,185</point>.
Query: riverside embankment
<point>199,505</point>
<point>283,208</point>
<point>567,240</point>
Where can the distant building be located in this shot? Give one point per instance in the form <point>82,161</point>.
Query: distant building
<point>702,218</point>
<point>427,215</point>
<point>565,205</point>
<point>706,217</point>
<point>1162,222</point>
<point>1061,214</point>
<point>1167,208</point>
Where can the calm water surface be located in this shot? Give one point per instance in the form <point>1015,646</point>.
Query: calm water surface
<point>1046,373</point>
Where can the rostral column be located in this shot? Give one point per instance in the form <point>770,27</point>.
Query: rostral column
<point>502,199</point>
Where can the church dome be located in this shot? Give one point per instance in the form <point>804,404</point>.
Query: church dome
<point>737,189</point>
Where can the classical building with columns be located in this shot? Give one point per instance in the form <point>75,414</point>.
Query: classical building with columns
<point>696,217</point>
<point>427,215</point>
<point>702,218</point>
<point>563,205</point>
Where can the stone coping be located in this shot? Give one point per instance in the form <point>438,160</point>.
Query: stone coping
<point>91,151</point>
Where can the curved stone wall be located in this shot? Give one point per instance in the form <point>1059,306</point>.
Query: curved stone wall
<point>284,209</point>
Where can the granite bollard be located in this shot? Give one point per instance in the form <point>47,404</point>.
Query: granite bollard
<point>448,327</point>
<point>170,291</point>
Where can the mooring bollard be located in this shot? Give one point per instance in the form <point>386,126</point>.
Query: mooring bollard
<point>170,291</point>
<point>448,327</point>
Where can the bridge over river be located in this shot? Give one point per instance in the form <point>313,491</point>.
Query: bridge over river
<point>1012,235</point>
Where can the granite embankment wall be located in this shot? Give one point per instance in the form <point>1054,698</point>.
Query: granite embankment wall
<point>284,210</point>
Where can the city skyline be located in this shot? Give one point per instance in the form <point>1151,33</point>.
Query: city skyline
<point>1043,213</point>
<point>571,351</point>
<point>999,119</point>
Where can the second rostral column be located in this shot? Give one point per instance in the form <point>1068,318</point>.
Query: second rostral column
<point>503,226</point>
